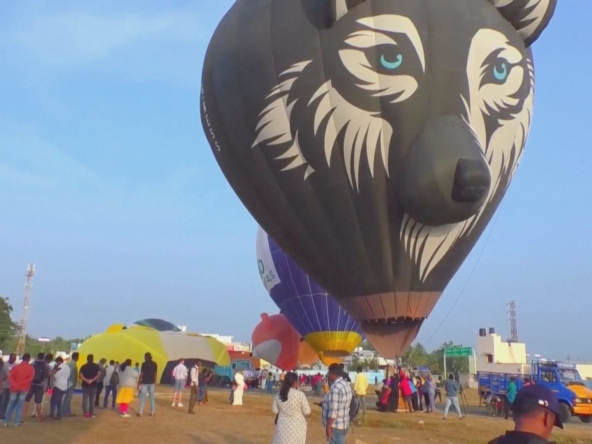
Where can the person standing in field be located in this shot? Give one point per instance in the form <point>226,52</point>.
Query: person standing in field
<point>452,387</point>
<point>269,384</point>
<point>335,407</point>
<point>147,383</point>
<point>180,379</point>
<point>406,391</point>
<point>429,389</point>
<point>72,381</point>
<point>110,383</point>
<point>20,377</point>
<point>193,384</point>
<point>291,408</point>
<point>239,380</point>
<point>89,374</point>
<point>61,376</point>
<point>5,384</point>
<point>510,396</point>
<point>202,377</point>
<point>38,387</point>
<point>360,388</point>
<point>100,385</point>
<point>128,381</point>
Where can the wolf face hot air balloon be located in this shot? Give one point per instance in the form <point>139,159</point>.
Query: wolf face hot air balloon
<point>313,312</point>
<point>373,140</point>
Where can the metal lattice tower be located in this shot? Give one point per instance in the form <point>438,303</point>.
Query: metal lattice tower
<point>513,322</point>
<point>22,336</point>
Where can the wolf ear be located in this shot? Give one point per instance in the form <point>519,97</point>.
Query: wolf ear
<point>341,7</point>
<point>529,17</point>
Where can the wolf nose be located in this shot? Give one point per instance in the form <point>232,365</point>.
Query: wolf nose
<point>471,180</point>
<point>444,178</point>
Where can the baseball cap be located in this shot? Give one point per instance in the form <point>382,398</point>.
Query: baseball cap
<point>537,395</point>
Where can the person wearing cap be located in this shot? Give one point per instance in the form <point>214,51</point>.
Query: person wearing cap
<point>536,412</point>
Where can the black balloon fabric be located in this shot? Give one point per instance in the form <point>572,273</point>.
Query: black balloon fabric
<point>373,140</point>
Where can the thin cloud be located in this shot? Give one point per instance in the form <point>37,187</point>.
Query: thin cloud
<point>71,39</point>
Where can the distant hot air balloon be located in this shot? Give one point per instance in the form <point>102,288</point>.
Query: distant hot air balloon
<point>373,140</point>
<point>276,341</point>
<point>306,355</point>
<point>327,327</point>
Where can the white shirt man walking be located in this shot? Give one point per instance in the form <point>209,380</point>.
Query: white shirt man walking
<point>180,377</point>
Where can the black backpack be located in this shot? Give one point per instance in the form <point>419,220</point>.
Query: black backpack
<point>114,380</point>
<point>354,408</point>
<point>40,372</point>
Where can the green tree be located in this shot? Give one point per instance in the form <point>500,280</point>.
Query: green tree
<point>7,326</point>
<point>373,363</point>
<point>415,356</point>
<point>367,346</point>
<point>436,361</point>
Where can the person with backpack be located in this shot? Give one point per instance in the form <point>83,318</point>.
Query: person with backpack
<point>336,406</point>
<point>38,387</point>
<point>110,382</point>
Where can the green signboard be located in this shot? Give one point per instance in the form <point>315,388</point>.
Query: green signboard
<point>458,352</point>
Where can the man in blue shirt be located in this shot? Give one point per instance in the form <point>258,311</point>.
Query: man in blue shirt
<point>452,388</point>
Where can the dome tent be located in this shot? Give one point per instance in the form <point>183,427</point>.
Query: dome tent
<point>166,348</point>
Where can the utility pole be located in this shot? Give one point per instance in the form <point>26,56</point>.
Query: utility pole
<point>22,336</point>
<point>513,322</point>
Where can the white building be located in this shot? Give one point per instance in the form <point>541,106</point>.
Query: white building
<point>495,355</point>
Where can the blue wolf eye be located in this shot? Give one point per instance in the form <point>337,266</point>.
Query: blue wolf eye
<point>500,71</point>
<point>391,65</point>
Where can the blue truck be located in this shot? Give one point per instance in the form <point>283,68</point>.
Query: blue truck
<point>563,378</point>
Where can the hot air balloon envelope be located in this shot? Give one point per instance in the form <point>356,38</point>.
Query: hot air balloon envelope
<point>327,327</point>
<point>373,140</point>
<point>276,341</point>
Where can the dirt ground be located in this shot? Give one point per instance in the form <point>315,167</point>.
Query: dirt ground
<point>219,422</point>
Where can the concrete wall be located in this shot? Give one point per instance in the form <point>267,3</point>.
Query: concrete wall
<point>503,352</point>
<point>585,370</point>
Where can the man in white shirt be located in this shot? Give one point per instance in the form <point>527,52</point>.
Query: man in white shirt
<point>180,377</point>
<point>60,375</point>
<point>194,381</point>
<point>110,383</point>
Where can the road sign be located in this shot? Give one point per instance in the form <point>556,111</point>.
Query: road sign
<point>458,352</point>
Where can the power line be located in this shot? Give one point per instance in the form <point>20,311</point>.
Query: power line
<point>468,279</point>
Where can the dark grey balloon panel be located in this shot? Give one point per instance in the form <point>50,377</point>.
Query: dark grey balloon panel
<point>374,149</point>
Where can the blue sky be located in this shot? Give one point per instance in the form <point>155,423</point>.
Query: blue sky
<point>109,187</point>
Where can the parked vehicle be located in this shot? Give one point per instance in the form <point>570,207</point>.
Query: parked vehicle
<point>563,378</point>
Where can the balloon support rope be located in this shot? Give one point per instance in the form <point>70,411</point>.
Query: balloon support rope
<point>470,275</point>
